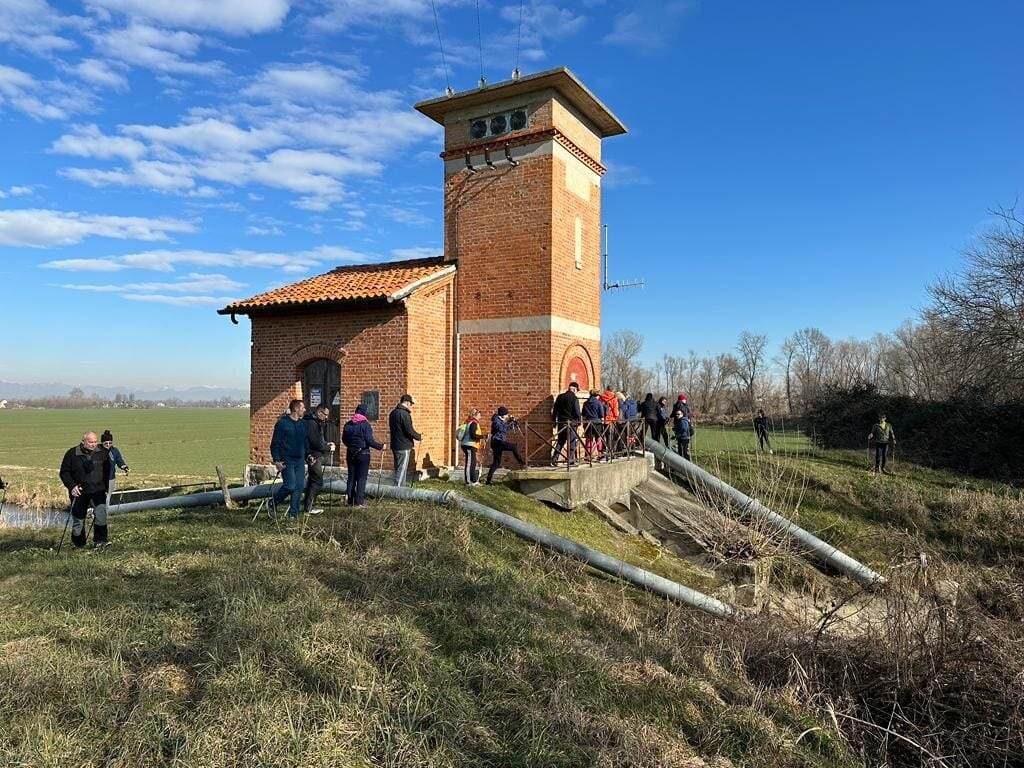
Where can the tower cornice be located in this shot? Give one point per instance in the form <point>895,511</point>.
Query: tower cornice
<point>523,139</point>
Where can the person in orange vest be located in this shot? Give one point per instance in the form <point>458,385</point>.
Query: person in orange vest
<point>611,422</point>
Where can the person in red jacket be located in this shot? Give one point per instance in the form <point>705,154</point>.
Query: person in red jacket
<point>611,421</point>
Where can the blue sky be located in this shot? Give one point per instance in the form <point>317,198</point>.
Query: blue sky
<point>788,164</point>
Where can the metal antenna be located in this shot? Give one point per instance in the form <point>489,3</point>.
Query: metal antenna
<point>616,286</point>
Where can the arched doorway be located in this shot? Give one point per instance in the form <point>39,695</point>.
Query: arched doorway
<point>321,383</point>
<point>576,370</point>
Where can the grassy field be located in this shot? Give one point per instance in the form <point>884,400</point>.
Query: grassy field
<point>408,635</point>
<point>161,445</point>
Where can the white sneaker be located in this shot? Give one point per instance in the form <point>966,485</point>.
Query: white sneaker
<point>316,511</point>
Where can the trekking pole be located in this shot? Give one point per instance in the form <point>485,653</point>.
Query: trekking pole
<point>380,472</point>
<point>66,523</point>
<point>330,496</point>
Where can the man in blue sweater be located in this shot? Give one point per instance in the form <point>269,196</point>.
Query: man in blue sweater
<point>288,451</point>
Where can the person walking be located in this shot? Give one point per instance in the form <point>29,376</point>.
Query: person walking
<point>566,415</point>
<point>649,413</point>
<point>116,461</point>
<point>288,448</point>
<point>319,448</point>
<point>84,472</point>
<point>402,436</point>
<point>357,435</point>
<point>469,440</point>
<point>683,433</point>
<point>761,430</point>
<point>500,443</point>
<point>594,412</point>
<point>881,437</point>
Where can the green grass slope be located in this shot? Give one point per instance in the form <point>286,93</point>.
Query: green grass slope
<point>399,635</point>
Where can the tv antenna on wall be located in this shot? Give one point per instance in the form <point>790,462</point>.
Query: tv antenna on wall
<point>617,285</point>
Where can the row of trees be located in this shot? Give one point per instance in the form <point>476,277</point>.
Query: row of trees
<point>77,398</point>
<point>969,341</point>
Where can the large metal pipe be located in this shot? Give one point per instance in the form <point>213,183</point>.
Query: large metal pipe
<point>644,579</point>
<point>705,481</point>
<point>652,582</point>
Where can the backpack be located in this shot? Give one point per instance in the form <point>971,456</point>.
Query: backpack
<point>460,431</point>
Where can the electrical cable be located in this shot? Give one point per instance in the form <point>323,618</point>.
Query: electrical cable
<point>444,60</point>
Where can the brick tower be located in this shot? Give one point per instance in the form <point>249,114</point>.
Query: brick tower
<point>522,186</point>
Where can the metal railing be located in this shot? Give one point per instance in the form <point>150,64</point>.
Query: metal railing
<point>544,444</point>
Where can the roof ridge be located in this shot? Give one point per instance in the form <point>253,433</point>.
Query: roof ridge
<point>422,261</point>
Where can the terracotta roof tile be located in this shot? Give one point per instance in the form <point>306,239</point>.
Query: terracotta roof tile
<point>349,283</point>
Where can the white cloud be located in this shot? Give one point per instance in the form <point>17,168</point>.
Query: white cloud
<point>15,192</point>
<point>193,283</point>
<point>84,265</point>
<point>100,73</point>
<point>150,174</point>
<point>231,16</point>
<point>341,14</point>
<point>181,301</point>
<point>34,26</point>
<point>37,228</point>
<point>208,136</point>
<point>648,25</point>
<point>303,83</point>
<point>23,91</point>
<point>623,175</point>
<point>417,252</point>
<point>263,231</point>
<point>162,50</point>
<point>167,260</point>
<point>89,141</point>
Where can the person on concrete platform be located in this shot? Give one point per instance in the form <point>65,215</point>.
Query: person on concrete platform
<point>566,415</point>
<point>116,460</point>
<point>288,449</point>
<point>84,472</point>
<point>611,421</point>
<point>761,430</point>
<point>594,412</point>
<point>499,442</point>
<point>357,435</point>
<point>683,432</point>
<point>881,437</point>
<point>318,451</point>
<point>402,436</point>
<point>663,419</point>
<point>470,438</point>
<point>649,413</point>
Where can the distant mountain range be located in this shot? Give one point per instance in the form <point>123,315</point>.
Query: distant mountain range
<point>13,391</point>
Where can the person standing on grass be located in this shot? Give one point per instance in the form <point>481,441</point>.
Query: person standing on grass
<point>683,432</point>
<point>761,430</point>
<point>288,449</point>
<point>319,448</point>
<point>402,436</point>
<point>357,436</point>
<point>566,415</point>
<point>500,443</point>
<point>663,419</point>
<point>84,473</point>
<point>882,437</point>
<point>470,440</point>
<point>116,460</point>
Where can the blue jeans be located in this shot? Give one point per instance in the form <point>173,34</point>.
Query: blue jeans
<point>293,481</point>
<point>358,469</point>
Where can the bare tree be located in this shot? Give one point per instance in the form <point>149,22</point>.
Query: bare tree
<point>751,349</point>
<point>620,359</point>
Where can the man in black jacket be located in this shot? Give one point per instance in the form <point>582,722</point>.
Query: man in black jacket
<point>84,473</point>
<point>319,449</point>
<point>566,415</point>
<point>402,436</point>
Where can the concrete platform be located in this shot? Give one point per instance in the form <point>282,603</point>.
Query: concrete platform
<point>610,483</point>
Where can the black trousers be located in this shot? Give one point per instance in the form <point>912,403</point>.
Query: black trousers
<point>98,501</point>
<point>472,463</point>
<point>881,452</point>
<point>314,483</point>
<point>683,447</point>
<point>762,440</point>
<point>566,432</point>
<point>358,470</point>
<point>499,447</point>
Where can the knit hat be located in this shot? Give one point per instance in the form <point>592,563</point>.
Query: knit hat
<point>361,409</point>
<point>502,410</point>
<point>682,398</point>
<point>106,436</point>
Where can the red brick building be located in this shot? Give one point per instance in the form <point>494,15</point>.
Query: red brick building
<point>508,316</point>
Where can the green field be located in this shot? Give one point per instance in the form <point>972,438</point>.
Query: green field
<point>161,445</point>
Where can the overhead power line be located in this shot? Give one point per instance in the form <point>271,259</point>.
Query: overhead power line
<point>444,60</point>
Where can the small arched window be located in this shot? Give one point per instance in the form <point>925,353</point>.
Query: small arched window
<point>321,383</point>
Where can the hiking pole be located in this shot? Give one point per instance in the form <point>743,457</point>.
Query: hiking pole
<point>66,522</point>
<point>330,497</point>
<point>380,472</point>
